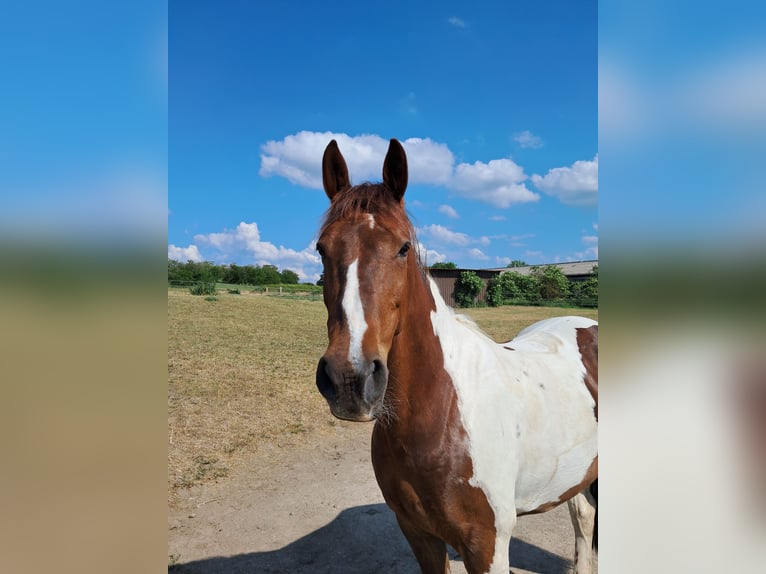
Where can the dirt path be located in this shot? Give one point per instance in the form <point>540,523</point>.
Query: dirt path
<point>316,508</point>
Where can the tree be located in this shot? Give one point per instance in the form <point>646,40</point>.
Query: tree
<point>266,275</point>
<point>517,263</point>
<point>444,265</point>
<point>249,274</point>
<point>178,272</point>
<point>289,277</point>
<point>233,274</point>
<point>467,289</point>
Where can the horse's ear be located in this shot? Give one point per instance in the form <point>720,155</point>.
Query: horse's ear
<point>334,170</point>
<point>395,169</point>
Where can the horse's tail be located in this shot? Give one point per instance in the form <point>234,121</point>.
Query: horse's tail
<point>594,494</point>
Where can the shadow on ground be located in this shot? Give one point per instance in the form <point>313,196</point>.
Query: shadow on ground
<point>361,539</point>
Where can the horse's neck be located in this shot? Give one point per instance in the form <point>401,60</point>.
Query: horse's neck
<point>417,377</point>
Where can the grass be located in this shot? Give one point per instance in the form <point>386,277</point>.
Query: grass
<point>240,372</point>
<point>241,375</point>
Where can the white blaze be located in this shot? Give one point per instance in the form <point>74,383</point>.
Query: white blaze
<point>352,307</point>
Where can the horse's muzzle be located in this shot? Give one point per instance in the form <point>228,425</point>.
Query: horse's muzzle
<point>354,395</point>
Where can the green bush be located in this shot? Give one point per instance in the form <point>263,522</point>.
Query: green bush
<point>585,293</point>
<point>552,281</point>
<point>467,289</point>
<point>494,292</point>
<point>520,289</point>
<point>544,286</point>
<point>203,289</point>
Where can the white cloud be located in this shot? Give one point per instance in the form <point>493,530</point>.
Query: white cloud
<point>429,256</point>
<point>427,161</point>
<point>449,211</point>
<point>520,240</point>
<point>527,139</point>
<point>498,218</point>
<point>244,243</point>
<point>453,245</point>
<point>442,235</point>
<point>298,158</point>
<point>575,185</point>
<point>503,260</point>
<point>184,254</point>
<point>476,253</point>
<point>498,182</point>
<point>457,22</point>
<point>591,249</point>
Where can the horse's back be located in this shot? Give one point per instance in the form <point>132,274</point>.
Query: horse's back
<point>549,335</point>
<point>561,426</point>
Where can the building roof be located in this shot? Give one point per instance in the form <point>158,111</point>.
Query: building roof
<point>570,268</point>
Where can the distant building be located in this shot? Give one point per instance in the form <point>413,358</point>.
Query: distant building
<point>446,278</point>
<point>574,270</point>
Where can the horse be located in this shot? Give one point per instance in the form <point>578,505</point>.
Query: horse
<point>469,433</point>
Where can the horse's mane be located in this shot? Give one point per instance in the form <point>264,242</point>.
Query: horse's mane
<point>372,198</point>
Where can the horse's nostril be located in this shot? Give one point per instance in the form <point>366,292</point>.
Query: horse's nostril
<point>375,384</point>
<point>324,380</point>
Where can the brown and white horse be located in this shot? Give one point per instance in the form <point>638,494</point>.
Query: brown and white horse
<point>469,434</point>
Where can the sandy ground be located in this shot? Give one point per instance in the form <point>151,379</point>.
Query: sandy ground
<point>315,507</point>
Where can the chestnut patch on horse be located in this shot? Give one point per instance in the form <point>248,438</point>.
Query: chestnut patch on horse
<point>587,342</point>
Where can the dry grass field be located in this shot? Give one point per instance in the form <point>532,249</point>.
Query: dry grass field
<point>241,375</point>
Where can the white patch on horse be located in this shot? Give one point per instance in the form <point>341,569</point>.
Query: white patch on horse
<point>352,307</point>
<point>527,413</point>
<point>371,220</point>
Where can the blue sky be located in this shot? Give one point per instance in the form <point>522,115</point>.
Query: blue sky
<point>495,103</point>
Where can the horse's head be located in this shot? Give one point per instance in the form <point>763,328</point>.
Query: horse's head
<point>365,244</point>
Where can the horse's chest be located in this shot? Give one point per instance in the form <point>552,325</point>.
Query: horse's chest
<point>423,480</point>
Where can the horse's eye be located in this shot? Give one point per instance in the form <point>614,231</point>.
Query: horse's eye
<point>405,248</point>
<point>320,250</point>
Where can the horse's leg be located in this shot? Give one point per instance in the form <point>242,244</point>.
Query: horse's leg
<point>485,551</point>
<point>582,510</point>
<point>430,551</point>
